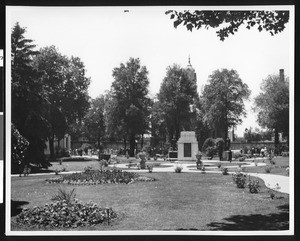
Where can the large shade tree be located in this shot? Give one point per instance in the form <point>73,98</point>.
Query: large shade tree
<point>65,87</point>
<point>272,105</point>
<point>130,103</point>
<point>30,110</point>
<point>228,22</point>
<point>176,98</point>
<point>223,100</point>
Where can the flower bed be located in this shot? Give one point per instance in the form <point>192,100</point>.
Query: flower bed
<point>62,214</point>
<point>93,177</point>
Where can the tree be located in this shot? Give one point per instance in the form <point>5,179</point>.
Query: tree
<point>272,105</point>
<point>177,97</point>
<point>271,21</point>
<point>29,108</point>
<point>157,124</point>
<point>94,120</point>
<point>130,102</point>
<point>223,100</point>
<point>65,87</point>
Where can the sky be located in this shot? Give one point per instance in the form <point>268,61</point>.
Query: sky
<point>105,37</point>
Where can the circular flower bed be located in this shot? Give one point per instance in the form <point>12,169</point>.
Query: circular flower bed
<point>93,177</point>
<point>62,214</point>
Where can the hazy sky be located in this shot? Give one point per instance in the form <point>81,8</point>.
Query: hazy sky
<point>105,37</point>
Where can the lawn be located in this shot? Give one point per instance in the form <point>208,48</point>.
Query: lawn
<point>184,201</point>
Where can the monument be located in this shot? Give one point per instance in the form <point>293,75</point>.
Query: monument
<point>187,146</point>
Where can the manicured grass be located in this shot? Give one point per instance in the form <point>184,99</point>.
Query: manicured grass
<point>174,202</point>
<point>74,165</point>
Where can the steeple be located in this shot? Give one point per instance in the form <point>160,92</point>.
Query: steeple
<point>190,70</point>
<point>189,64</point>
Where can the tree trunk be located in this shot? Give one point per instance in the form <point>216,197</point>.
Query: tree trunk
<point>142,141</point>
<point>132,144</point>
<point>51,147</point>
<point>124,140</point>
<point>276,140</point>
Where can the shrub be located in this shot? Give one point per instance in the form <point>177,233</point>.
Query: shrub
<point>220,144</point>
<point>150,168</point>
<point>19,146</point>
<point>239,179</point>
<point>210,152</point>
<point>225,171</point>
<point>64,195</point>
<point>285,153</point>
<point>253,186</point>
<point>272,192</point>
<point>242,158</point>
<point>209,142</point>
<point>61,214</point>
<point>178,168</point>
<point>268,169</point>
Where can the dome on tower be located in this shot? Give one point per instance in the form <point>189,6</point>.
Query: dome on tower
<point>191,71</point>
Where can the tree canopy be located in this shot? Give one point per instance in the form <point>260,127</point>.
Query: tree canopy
<point>176,98</point>
<point>129,100</point>
<point>272,105</point>
<point>229,22</point>
<point>94,120</point>
<point>29,107</point>
<point>223,100</point>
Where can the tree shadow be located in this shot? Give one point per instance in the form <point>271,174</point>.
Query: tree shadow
<point>16,207</point>
<point>272,221</point>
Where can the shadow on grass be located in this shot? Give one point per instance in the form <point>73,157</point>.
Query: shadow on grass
<point>273,221</point>
<point>16,207</point>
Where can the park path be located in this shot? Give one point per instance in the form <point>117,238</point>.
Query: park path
<point>270,180</point>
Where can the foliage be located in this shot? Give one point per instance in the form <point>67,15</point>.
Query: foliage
<point>178,168</point>
<point>177,94</point>
<point>61,214</point>
<point>223,100</point>
<point>128,107</point>
<point>220,146</point>
<point>228,22</point>
<point>65,87</point>
<point>94,120</point>
<point>57,171</point>
<point>209,142</point>
<point>150,168</point>
<point>210,152</point>
<point>253,186</point>
<point>93,177</point>
<point>272,192</point>
<point>225,171</point>
<point>272,105</point>
<point>237,155</point>
<point>242,158</point>
<point>256,135</point>
<point>268,169</point>
<point>29,107</point>
<point>19,145</point>
<point>64,195</point>
<point>239,179</point>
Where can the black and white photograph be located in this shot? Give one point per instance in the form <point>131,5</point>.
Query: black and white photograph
<point>149,120</point>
